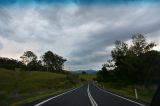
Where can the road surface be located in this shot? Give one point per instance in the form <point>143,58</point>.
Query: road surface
<point>87,95</point>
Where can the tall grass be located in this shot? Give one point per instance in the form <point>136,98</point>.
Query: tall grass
<point>19,85</point>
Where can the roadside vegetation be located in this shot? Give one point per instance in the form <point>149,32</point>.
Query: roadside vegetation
<point>48,62</point>
<point>87,77</point>
<point>32,78</point>
<point>18,87</point>
<point>144,94</point>
<point>132,67</point>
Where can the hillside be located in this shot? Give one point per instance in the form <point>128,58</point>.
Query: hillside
<point>17,86</point>
<point>87,71</point>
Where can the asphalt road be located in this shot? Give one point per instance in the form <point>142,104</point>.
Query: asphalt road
<point>87,95</point>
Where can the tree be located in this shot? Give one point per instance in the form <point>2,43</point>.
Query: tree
<point>83,72</point>
<point>8,63</point>
<point>103,75</point>
<point>129,69</point>
<point>35,65</point>
<point>136,64</point>
<point>47,59</point>
<point>110,65</point>
<point>129,62</point>
<point>28,56</point>
<point>140,44</point>
<point>120,50</point>
<point>53,62</point>
<point>150,67</point>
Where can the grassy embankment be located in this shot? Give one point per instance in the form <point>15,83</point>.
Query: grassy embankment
<point>19,87</point>
<point>145,95</point>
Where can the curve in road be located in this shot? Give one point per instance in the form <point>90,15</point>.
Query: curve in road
<point>87,95</point>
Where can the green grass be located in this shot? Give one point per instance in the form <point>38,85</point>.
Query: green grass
<point>145,95</point>
<point>18,86</point>
<point>34,98</point>
<point>87,77</point>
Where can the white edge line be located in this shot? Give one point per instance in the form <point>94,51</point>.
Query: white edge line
<point>91,98</point>
<point>54,97</point>
<point>121,97</point>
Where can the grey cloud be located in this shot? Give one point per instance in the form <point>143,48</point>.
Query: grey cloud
<point>4,16</point>
<point>5,20</point>
<point>1,46</point>
<point>82,34</point>
<point>147,22</point>
<point>14,26</point>
<point>100,40</point>
<point>91,59</point>
<point>51,15</point>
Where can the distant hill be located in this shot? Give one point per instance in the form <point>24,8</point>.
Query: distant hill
<point>87,71</point>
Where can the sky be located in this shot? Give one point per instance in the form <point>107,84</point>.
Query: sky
<point>82,31</point>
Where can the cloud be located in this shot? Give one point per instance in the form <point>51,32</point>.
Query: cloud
<point>83,34</point>
<point>1,46</point>
<point>121,27</point>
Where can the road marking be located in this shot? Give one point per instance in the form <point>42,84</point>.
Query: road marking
<point>121,97</point>
<point>91,98</point>
<point>54,97</point>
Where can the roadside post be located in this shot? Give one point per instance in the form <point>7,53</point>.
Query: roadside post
<point>136,94</point>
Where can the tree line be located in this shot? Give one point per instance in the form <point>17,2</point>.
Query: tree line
<point>134,64</point>
<point>9,63</point>
<point>49,61</point>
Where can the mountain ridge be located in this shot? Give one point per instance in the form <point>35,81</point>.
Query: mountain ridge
<point>91,71</point>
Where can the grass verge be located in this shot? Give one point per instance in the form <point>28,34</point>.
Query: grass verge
<point>37,97</point>
<point>145,95</point>
<point>22,86</point>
